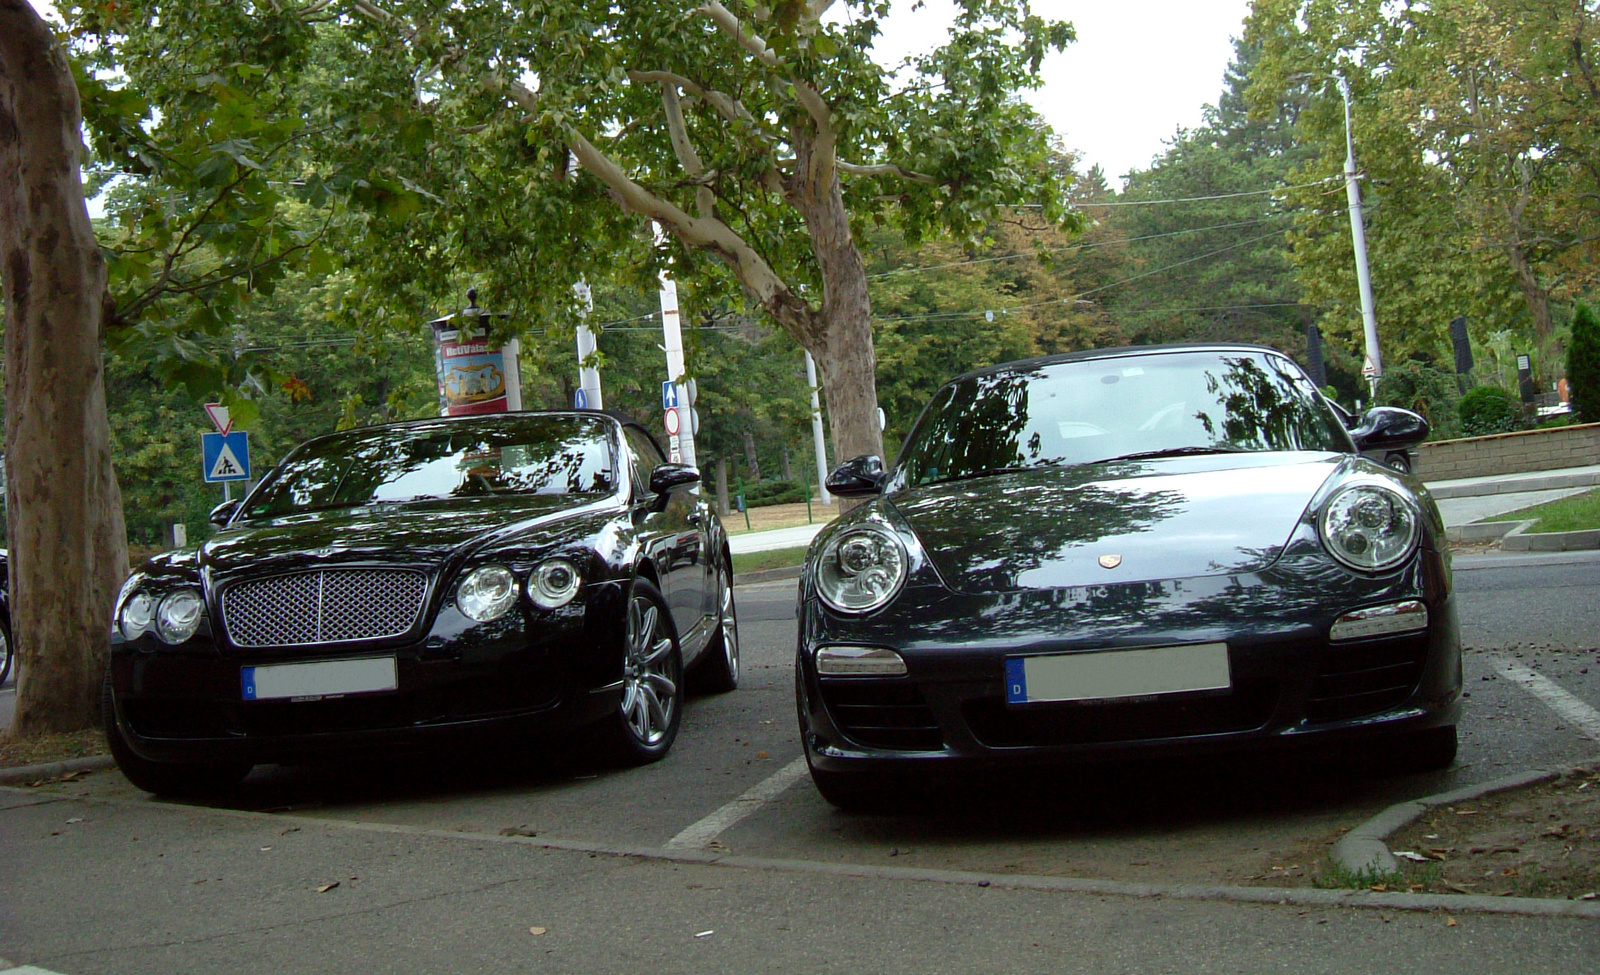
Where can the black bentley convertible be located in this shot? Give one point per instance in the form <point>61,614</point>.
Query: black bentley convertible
<point>1127,552</point>
<point>433,581</point>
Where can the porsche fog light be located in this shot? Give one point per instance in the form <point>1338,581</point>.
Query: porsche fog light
<point>554,583</point>
<point>1369,527</point>
<point>487,593</point>
<point>138,612</point>
<point>859,661</point>
<point>1396,618</point>
<point>861,569</point>
<point>178,616</point>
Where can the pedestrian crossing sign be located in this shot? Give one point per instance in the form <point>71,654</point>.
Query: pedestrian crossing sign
<point>225,456</point>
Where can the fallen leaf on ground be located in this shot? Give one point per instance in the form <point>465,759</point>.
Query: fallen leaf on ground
<point>1411,855</point>
<point>1449,921</point>
<point>705,934</point>
<point>536,930</point>
<point>327,887</point>
<point>75,819</point>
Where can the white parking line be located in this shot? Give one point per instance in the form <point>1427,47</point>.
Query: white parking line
<point>1576,712</point>
<point>700,835</point>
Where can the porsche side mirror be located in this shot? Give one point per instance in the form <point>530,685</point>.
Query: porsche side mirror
<point>1389,428</point>
<point>668,476</point>
<point>858,477</point>
<point>221,513</point>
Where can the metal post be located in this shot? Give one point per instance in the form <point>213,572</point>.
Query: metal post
<point>1373,367</point>
<point>588,342</point>
<point>672,333</point>
<point>816,430</point>
<point>511,355</point>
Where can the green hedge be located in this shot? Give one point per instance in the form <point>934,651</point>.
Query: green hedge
<point>1490,409</point>
<point>774,492</point>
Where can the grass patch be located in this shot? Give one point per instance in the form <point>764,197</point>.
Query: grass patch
<point>1334,876</point>
<point>781,558</point>
<point>1576,513</point>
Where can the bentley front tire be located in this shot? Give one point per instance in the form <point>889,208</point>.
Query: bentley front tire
<point>646,722</point>
<point>185,780</point>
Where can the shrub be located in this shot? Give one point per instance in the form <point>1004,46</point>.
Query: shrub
<point>1425,389</point>
<point>1490,409</point>
<point>774,492</point>
<point>1583,364</point>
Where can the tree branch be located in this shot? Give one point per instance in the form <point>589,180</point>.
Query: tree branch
<point>886,169</point>
<point>729,24</point>
<point>688,158</point>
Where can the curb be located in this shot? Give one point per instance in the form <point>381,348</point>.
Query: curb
<point>50,770</point>
<point>1505,485</point>
<point>1482,531</point>
<point>767,575</point>
<point>1365,849</point>
<point>1519,539</point>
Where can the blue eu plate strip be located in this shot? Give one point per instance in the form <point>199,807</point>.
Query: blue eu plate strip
<point>1016,682</point>
<point>247,682</point>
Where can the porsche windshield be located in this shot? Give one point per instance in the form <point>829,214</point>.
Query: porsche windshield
<point>1128,407</point>
<point>498,455</point>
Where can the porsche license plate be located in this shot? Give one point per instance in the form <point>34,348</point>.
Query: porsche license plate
<point>1111,674</point>
<point>323,678</point>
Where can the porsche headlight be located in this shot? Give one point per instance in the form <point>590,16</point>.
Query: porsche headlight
<point>1369,527</point>
<point>487,593</point>
<point>861,569</point>
<point>554,583</point>
<point>179,615</point>
<point>138,612</point>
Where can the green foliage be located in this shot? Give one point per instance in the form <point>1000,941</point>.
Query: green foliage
<point>1426,389</point>
<point>1583,364</point>
<point>1490,409</point>
<point>1581,512</point>
<point>774,491</point>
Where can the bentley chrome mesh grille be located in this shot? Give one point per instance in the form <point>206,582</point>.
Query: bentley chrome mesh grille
<point>329,606</point>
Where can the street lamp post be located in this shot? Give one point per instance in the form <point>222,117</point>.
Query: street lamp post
<point>1372,369</point>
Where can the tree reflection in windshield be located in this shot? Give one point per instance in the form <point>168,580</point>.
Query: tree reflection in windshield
<point>433,461</point>
<point>1096,410</point>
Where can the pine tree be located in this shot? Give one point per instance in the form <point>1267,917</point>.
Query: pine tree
<point>1583,364</point>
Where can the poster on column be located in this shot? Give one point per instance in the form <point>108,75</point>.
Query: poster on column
<point>472,373</point>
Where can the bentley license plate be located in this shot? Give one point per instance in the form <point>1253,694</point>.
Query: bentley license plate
<point>323,678</point>
<point>1111,674</point>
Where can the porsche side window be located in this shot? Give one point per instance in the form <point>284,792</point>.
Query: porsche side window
<point>644,458</point>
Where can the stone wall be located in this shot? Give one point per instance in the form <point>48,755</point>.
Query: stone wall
<point>1510,453</point>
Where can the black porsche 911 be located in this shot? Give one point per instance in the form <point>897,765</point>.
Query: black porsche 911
<point>412,583</point>
<point>1137,551</point>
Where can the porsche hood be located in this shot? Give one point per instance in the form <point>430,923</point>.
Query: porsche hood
<point>1053,528</point>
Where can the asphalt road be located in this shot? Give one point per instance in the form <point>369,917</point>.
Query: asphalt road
<point>445,865</point>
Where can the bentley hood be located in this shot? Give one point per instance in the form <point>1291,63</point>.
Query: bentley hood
<point>421,535</point>
<point>1051,528</point>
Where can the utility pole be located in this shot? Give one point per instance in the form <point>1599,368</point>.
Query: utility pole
<point>589,396</point>
<point>1372,369</point>
<point>816,430</point>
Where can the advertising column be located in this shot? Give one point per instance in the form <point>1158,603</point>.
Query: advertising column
<point>475,375</point>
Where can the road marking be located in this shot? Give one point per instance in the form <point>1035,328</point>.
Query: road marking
<point>700,835</point>
<point>1562,703</point>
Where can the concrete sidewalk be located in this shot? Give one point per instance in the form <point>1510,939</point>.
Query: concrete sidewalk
<point>1471,499</point>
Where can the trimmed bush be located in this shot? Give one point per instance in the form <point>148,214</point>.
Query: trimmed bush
<point>1583,364</point>
<point>1490,409</point>
<point>774,492</point>
<point>1423,389</point>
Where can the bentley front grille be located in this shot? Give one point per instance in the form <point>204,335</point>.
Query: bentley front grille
<point>328,606</point>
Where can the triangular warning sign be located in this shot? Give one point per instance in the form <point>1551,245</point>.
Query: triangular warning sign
<point>227,465</point>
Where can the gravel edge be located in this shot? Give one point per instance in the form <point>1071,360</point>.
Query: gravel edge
<point>49,770</point>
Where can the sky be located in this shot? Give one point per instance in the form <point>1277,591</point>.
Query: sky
<point>1139,70</point>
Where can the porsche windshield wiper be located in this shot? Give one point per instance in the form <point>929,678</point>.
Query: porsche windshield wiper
<point>1175,452</point>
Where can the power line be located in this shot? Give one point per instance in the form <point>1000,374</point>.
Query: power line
<point>1218,196</point>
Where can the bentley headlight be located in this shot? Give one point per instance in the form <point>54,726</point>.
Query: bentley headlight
<point>554,583</point>
<point>487,593</point>
<point>138,612</point>
<point>178,616</point>
<point>1369,527</point>
<point>861,569</point>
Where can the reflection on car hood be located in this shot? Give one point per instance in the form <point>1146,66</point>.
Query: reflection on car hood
<point>1163,519</point>
<point>419,534</point>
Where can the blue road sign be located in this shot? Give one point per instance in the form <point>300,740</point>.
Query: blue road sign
<point>669,396</point>
<point>580,400</point>
<point>225,456</point>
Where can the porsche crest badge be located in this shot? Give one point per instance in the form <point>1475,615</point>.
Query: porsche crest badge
<point>1110,561</point>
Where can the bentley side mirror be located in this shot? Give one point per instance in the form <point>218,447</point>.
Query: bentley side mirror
<point>1389,428</point>
<point>221,513</point>
<point>668,476</point>
<point>858,477</point>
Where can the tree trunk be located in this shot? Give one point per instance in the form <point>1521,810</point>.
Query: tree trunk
<point>752,463</point>
<point>1534,293</point>
<point>68,552</point>
<point>841,342</point>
